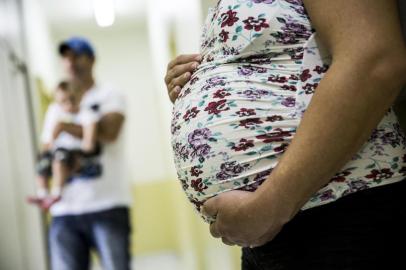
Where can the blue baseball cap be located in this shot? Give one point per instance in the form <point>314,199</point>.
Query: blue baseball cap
<point>78,45</point>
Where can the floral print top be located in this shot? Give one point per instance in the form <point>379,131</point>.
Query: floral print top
<point>237,115</point>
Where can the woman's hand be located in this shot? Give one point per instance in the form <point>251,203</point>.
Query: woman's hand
<point>179,72</point>
<point>244,218</point>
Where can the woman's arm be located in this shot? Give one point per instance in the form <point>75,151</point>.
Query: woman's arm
<point>366,75</point>
<point>367,71</point>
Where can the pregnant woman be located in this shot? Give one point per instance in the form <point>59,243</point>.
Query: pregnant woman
<point>283,135</point>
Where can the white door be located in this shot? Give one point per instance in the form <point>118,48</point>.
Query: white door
<point>22,241</point>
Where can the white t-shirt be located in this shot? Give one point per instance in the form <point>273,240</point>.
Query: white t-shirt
<point>110,189</point>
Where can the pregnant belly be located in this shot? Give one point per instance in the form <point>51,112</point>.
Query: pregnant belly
<point>228,134</point>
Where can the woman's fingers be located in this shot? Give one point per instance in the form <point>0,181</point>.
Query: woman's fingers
<point>179,73</point>
<point>179,70</point>
<point>184,59</point>
<point>176,85</point>
<point>182,79</point>
<point>173,94</point>
<point>178,77</point>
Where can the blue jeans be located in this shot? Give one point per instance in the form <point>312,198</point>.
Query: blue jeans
<point>108,232</point>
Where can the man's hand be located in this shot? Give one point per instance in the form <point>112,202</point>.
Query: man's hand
<point>179,72</point>
<point>243,218</point>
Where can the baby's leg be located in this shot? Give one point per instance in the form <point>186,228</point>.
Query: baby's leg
<point>61,172</point>
<point>62,168</point>
<point>44,172</point>
<point>42,191</point>
<point>42,186</point>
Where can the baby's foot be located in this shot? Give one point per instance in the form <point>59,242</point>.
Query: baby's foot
<point>49,201</point>
<point>35,200</point>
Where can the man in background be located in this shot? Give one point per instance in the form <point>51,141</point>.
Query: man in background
<point>93,212</point>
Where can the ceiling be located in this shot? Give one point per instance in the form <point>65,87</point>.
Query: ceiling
<point>59,13</point>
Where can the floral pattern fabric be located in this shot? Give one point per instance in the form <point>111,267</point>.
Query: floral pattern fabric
<point>239,112</point>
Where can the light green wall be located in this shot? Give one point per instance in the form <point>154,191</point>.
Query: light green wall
<point>164,220</point>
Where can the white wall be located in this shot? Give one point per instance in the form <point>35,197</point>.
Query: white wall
<point>21,232</point>
<point>41,59</point>
<point>165,18</point>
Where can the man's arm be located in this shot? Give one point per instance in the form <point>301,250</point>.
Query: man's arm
<point>109,128</point>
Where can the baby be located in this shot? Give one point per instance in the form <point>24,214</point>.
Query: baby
<point>62,156</point>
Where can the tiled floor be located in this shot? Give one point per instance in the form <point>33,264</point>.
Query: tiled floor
<point>216,258</point>
<point>162,261</point>
<point>159,261</point>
